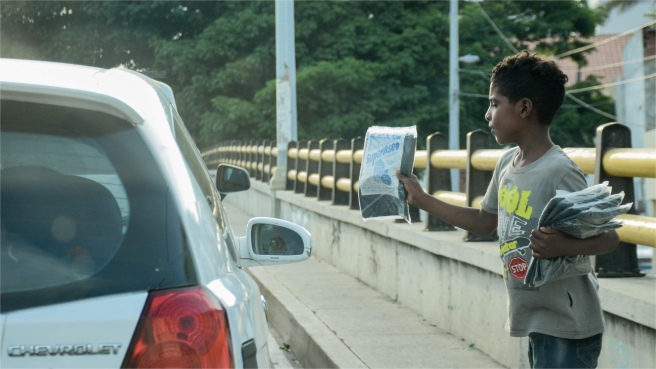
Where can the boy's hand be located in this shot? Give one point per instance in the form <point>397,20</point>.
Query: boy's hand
<point>548,242</point>
<point>412,186</point>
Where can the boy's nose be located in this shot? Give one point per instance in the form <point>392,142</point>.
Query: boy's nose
<point>488,117</point>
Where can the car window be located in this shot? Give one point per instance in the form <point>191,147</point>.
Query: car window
<point>199,170</point>
<point>85,211</point>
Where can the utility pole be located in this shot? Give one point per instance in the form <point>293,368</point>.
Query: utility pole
<point>454,92</point>
<point>285,88</point>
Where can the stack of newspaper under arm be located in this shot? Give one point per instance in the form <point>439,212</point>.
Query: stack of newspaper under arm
<point>582,214</point>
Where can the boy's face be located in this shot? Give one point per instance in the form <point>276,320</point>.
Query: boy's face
<point>505,118</point>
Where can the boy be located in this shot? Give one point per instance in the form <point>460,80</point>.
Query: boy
<point>563,319</point>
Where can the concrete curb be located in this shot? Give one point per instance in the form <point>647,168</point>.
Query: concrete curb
<point>314,344</point>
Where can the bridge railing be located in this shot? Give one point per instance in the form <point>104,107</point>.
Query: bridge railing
<point>329,170</point>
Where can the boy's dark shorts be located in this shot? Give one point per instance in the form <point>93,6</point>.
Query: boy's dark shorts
<point>546,351</point>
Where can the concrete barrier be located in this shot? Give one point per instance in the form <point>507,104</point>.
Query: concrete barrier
<point>455,285</point>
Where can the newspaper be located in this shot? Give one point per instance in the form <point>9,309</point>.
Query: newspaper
<point>386,150</point>
<point>581,214</point>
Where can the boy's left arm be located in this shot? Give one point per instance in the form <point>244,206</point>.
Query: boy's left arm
<point>548,242</point>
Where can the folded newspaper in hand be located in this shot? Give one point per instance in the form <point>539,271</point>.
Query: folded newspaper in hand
<point>582,214</point>
<point>386,150</point>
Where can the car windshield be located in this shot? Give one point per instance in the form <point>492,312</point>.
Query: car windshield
<point>85,211</point>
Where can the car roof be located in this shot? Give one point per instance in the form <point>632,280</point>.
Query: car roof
<point>131,95</point>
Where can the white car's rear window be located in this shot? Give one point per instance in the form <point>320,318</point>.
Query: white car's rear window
<point>64,209</point>
<point>85,210</point>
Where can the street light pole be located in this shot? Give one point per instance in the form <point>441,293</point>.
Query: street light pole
<point>454,93</point>
<point>285,88</point>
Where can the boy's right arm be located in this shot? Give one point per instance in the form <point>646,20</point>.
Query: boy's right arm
<point>477,221</point>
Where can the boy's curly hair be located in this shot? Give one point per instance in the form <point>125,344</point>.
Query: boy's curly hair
<point>527,75</point>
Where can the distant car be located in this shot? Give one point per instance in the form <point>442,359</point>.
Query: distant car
<point>116,250</point>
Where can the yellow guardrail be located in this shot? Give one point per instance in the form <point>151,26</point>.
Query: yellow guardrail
<point>344,156</point>
<point>344,184</point>
<point>617,162</point>
<point>630,162</point>
<point>327,181</point>
<point>357,156</point>
<point>328,155</point>
<point>458,198</point>
<point>420,158</point>
<point>637,229</point>
<point>455,159</point>
<point>315,154</point>
<point>313,179</point>
<point>486,159</point>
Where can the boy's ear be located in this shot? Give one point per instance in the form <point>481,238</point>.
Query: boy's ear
<point>525,107</point>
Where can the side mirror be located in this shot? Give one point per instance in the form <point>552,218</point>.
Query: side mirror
<point>231,178</point>
<point>272,241</point>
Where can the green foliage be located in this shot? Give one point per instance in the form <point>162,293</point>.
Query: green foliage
<point>358,63</point>
<point>575,126</point>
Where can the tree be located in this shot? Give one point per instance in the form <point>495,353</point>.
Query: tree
<point>358,63</point>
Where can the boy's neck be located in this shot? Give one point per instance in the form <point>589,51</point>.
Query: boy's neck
<point>533,145</point>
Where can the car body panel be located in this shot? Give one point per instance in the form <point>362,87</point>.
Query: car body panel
<point>3,317</point>
<point>142,102</point>
<point>96,321</point>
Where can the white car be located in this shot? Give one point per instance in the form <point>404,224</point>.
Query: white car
<point>116,250</point>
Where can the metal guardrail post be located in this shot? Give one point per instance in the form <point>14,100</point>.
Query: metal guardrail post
<point>356,144</point>
<point>240,153</point>
<point>299,186</point>
<point>438,179</point>
<point>312,167</point>
<point>273,159</point>
<point>325,169</point>
<point>477,181</point>
<point>341,170</point>
<point>252,157</point>
<point>266,159</point>
<point>233,154</point>
<point>244,153</point>
<point>222,153</point>
<point>623,262</point>
<point>258,160</point>
<point>291,165</point>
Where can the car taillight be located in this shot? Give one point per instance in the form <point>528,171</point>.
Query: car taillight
<point>181,328</point>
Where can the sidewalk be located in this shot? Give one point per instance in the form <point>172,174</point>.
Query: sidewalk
<point>331,319</point>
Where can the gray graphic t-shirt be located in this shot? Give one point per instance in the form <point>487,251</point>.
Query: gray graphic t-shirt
<point>567,308</point>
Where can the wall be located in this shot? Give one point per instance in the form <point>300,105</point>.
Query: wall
<point>453,284</point>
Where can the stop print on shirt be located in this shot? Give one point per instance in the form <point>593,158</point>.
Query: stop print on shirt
<point>518,267</point>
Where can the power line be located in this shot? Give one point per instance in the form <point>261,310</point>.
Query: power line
<point>485,75</point>
<point>586,105</point>
<point>580,102</point>
<point>605,41</point>
<point>474,95</point>
<point>567,93</point>
<point>615,64</point>
<point>599,87</point>
<point>496,28</point>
